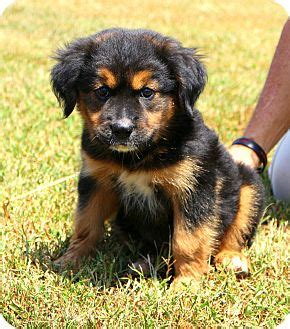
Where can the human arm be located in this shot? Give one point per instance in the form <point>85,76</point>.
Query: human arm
<point>271,118</point>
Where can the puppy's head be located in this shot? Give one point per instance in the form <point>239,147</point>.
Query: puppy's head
<point>128,85</point>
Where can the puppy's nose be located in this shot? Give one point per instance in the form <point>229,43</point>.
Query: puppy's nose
<point>122,128</point>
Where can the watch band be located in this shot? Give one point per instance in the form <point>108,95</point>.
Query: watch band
<point>256,148</point>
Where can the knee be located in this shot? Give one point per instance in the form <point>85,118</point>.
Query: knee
<point>279,171</point>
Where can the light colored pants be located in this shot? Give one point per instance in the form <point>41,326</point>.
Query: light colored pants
<point>279,171</point>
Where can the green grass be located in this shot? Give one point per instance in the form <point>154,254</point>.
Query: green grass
<point>38,147</point>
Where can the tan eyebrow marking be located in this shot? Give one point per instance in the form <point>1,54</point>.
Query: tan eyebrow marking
<point>109,77</point>
<point>140,79</point>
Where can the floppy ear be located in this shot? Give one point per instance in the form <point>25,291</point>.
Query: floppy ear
<point>189,72</point>
<point>65,74</point>
<point>191,76</point>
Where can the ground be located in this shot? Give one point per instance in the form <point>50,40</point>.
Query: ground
<point>40,159</point>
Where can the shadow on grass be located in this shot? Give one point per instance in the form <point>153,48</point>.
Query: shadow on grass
<point>111,264</point>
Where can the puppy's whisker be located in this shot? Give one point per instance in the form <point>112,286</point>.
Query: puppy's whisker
<point>93,139</point>
<point>136,153</point>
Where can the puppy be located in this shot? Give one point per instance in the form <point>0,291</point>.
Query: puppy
<point>148,159</point>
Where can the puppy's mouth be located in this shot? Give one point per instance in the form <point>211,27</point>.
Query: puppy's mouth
<point>123,148</point>
<point>123,143</point>
<point>138,141</point>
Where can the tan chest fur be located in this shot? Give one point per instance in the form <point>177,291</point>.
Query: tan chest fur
<point>178,179</point>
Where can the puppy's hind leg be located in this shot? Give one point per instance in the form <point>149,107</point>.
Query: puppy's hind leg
<point>240,232</point>
<point>191,248</point>
<point>96,203</point>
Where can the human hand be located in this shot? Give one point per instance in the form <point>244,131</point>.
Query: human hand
<point>243,154</point>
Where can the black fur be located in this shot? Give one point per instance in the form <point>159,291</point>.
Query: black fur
<point>180,75</point>
<point>76,68</point>
<point>87,185</point>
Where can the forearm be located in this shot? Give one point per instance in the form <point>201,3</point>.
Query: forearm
<point>271,118</point>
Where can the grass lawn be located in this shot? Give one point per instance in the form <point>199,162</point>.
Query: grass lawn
<point>39,148</point>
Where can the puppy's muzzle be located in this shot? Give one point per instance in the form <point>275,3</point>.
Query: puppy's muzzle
<point>122,129</point>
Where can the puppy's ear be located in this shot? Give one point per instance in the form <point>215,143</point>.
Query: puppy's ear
<point>189,72</point>
<point>65,74</point>
<point>191,77</point>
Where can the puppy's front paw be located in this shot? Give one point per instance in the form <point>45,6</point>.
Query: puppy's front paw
<point>234,261</point>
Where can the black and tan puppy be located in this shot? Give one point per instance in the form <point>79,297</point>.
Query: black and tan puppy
<point>147,157</point>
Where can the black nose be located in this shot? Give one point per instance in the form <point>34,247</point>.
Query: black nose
<point>122,128</point>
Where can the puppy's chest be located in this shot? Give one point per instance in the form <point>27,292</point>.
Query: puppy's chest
<point>137,190</point>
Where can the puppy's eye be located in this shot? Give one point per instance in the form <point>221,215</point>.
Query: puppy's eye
<point>147,93</point>
<point>103,92</point>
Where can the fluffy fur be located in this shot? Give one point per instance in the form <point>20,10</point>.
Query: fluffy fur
<point>148,158</point>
